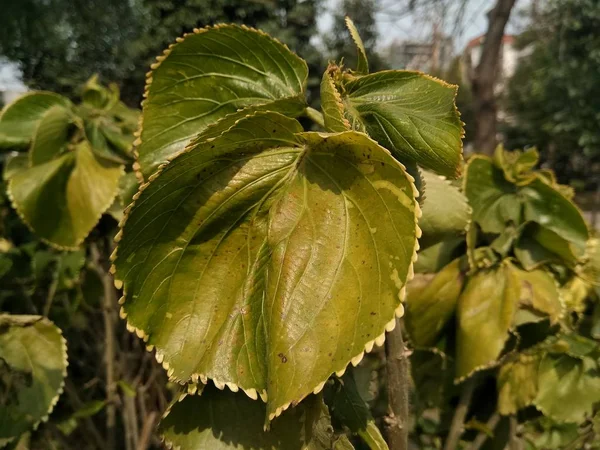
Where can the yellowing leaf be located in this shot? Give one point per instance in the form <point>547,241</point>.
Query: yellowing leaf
<point>517,383</point>
<point>268,258</point>
<point>62,200</point>
<point>486,310</point>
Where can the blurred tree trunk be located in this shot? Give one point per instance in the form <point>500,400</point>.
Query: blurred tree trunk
<point>485,75</point>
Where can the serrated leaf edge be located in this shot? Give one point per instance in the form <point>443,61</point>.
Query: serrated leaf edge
<point>160,58</point>
<point>61,247</point>
<point>61,388</point>
<point>251,392</point>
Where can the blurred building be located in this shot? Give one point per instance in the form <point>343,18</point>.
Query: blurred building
<point>433,56</point>
<point>11,84</point>
<point>509,58</point>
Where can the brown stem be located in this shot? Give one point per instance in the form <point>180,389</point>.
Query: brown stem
<point>460,413</point>
<point>397,386</point>
<point>482,436</point>
<point>144,441</point>
<point>110,300</point>
<point>514,443</point>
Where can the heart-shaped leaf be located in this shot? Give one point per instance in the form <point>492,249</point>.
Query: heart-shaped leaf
<point>446,212</point>
<point>62,200</point>
<point>218,420</point>
<point>268,258</point>
<point>211,73</point>
<point>19,120</point>
<point>411,114</point>
<point>33,365</point>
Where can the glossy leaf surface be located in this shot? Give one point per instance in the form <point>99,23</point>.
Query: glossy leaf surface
<point>211,73</point>
<point>268,258</point>
<point>411,114</point>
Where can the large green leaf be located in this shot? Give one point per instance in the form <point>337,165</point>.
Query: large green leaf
<point>268,258</point>
<point>411,114</point>
<point>33,365</point>
<point>218,420</point>
<point>349,408</point>
<point>431,302</point>
<point>446,212</point>
<point>486,311</point>
<point>568,387</point>
<point>493,199</point>
<point>62,200</point>
<point>19,120</point>
<point>211,73</point>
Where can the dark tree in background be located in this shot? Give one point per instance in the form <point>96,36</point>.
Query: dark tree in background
<point>554,96</point>
<point>484,78</point>
<point>60,43</point>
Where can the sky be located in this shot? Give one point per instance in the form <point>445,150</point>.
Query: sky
<point>416,27</point>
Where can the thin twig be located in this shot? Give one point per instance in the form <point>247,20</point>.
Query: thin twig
<point>51,294</point>
<point>144,441</point>
<point>77,403</point>
<point>110,299</point>
<point>458,420</point>
<point>397,377</point>
<point>482,436</point>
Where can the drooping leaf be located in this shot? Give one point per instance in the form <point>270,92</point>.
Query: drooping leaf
<point>538,245</point>
<point>331,104</point>
<point>517,383</point>
<point>568,387</point>
<point>33,365</point>
<point>431,304</point>
<point>315,235</point>
<point>51,135</point>
<point>349,408</point>
<point>225,420</point>
<point>540,296</point>
<point>62,200</point>
<point>14,163</point>
<point>548,207</point>
<point>19,120</point>
<point>411,114</point>
<point>548,434</point>
<point>99,145</point>
<point>362,65</point>
<point>211,73</point>
<point>493,199</point>
<point>446,212</point>
<point>486,310</point>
